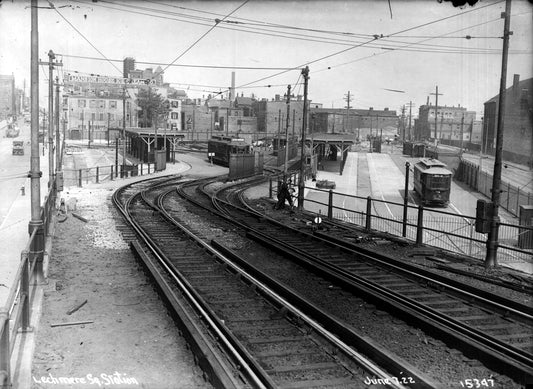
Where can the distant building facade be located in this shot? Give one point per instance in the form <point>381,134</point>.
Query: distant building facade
<point>8,97</point>
<point>518,119</point>
<point>91,107</point>
<point>360,122</point>
<point>452,124</point>
<point>272,116</point>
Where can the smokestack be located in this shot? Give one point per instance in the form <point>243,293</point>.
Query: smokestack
<point>232,89</point>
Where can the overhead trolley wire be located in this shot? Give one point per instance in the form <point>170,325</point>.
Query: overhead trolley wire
<point>83,36</point>
<point>303,37</point>
<point>199,39</point>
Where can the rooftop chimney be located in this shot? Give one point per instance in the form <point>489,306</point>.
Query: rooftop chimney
<point>516,79</point>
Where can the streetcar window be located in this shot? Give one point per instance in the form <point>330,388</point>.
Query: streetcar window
<point>438,182</point>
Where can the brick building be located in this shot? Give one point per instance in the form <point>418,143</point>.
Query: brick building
<point>360,122</point>
<point>92,104</point>
<point>451,123</point>
<point>271,116</point>
<point>518,118</point>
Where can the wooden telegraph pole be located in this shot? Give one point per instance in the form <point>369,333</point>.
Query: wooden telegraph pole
<point>492,240</point>
<point>437,94</point>
<point>287,133</point>
<point>305,73</point>
<point>51,64</point>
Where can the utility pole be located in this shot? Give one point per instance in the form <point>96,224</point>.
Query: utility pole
<point>51,64</point>
<point>461,141</point>
<point>441,123</point>
<point>305,73</point>
<point>279,130</point>
<point>36,223</point>
<point>437,94</point>
<point>287,133</point>
<point>492,240</point>
<point>58,138</point>
<point>348,100</point>
<point>403,123</point>
<point>123,131</point>
<point>410,105</point>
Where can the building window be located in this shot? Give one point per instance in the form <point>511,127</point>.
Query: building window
<point>93,116</point>
<point>112,104</point>
<point>101,118</point>
<point>81,116</point>
<point>82,103</point>
<point>174,115</point>
<point>112,117</point>
<point>101,103</point>
<point>92,104</point>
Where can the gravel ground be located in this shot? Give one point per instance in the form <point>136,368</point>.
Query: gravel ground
<point>130,341</point>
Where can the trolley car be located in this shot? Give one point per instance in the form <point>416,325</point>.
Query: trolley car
<point>432,182</point>
<point>223,146</point>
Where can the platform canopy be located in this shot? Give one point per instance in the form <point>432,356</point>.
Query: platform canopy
<point>342,141</point>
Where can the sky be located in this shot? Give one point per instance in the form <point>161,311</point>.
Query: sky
<point>384,53</point>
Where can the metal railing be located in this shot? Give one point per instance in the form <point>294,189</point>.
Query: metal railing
<point>98,174</point>
<point>15,315</point>
<point>423,226</point>
<point>511,196</point>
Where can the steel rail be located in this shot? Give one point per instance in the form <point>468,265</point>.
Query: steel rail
<point>268,291</point>
<point>163,261</point>
<point>523,360</point>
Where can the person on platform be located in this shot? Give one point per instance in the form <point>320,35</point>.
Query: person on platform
<point>284,194</point>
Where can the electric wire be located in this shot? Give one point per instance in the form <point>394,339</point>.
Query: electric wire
<point>203,35</point>
<point>80,34</point>
<point>302,36</point>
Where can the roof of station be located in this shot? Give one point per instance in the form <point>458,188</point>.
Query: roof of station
<point>148,131</point>
<point>332,138</point>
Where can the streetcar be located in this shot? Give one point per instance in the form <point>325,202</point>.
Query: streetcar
<point>220,147</point>
<point>432,182</point>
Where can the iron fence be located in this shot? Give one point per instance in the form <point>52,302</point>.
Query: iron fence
<point>423,226</point>
<point>98,174</point>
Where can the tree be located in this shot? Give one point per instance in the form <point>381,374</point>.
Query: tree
<point>151,105</point>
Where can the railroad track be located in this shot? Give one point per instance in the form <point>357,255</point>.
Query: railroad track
<point>495,330</point>
<point>248,336</point>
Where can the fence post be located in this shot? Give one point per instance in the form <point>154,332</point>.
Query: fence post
<point>97,174</point>
<point>270,188</point>
<point>420,226</point>
<point>368,213</point>
<point>111,172</point>
<point>25,290</point>
<point>5,350</point>
<point>142,164</point>
<point>80,184</point>
<point>148,167</point>
<point>405,200</point>
<point>508,195</point>
<point>330,204</point>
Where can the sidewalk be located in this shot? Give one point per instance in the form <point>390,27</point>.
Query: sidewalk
<point>14,234</point>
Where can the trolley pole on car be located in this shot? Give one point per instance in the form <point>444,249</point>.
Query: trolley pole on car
<point>305,73</point>
<point>285,169</point>
<point>492,240</point>
<point>58,138</point>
